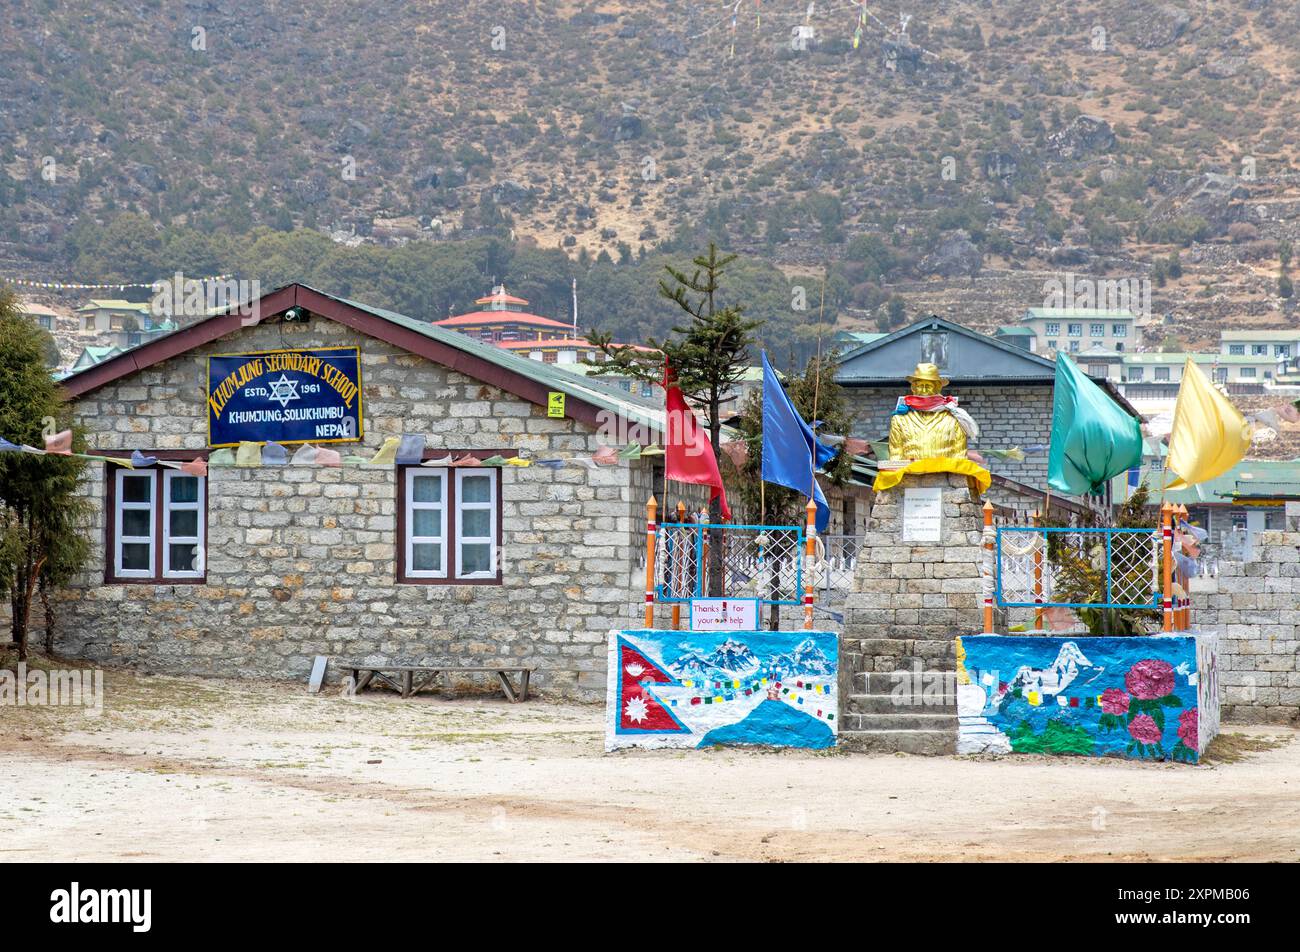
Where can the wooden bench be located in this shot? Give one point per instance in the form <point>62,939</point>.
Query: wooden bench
<point>411,678</point>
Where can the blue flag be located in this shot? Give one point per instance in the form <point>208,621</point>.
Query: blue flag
<point>789,447</point>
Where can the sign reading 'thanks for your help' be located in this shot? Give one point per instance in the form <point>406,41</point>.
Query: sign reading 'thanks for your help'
<point>285,396</point>
<point>923,514</point>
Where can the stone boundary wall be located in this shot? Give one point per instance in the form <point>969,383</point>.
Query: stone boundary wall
<point>1255,608</point>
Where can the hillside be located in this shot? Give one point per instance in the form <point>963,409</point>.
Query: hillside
<point>991,146</point>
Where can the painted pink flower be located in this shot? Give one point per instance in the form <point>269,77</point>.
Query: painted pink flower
<point>1144,729</point>
<point>1149,679</point>
<point>1187,723</point>
<point>1114,701</point>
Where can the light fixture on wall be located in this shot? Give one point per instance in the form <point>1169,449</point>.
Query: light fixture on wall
<point>295,315</point>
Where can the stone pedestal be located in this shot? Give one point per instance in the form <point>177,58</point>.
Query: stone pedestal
<point>910,597</point>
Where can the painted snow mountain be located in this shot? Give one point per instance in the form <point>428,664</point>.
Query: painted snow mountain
<point>734,658</point>
<point>806,658</point>
<point>1069,665</point>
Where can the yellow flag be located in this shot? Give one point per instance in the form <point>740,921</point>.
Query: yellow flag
<point>1209,436</point>
<point>387,453</point>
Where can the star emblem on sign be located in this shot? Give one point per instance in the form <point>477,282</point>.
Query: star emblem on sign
<point>283,390</point>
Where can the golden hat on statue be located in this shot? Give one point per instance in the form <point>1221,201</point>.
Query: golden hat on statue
<point>929,373</point>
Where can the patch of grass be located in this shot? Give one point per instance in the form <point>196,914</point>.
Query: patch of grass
<point>1233,748</point>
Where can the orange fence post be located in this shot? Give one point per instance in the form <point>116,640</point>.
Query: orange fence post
<point>1038,576</point>
<point>1184,618</point>
<point>810,549</point>
<point>651,508</point>
<point>677,606</point>
<point>988,561</point>
<point>1166,533</point>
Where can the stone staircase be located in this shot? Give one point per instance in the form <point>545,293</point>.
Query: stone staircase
<point>899,695</point>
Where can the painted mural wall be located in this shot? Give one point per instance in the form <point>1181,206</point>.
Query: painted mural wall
<point>1152,698</point>
<point>701,689</point>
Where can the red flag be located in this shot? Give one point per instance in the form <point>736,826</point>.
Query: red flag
<point>638,708</point>
<point>688,453</point>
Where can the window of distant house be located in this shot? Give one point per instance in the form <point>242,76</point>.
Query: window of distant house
<point>1259,350</point>
<point>1282,350</point>
<point>1052,327</point>
<point>1238,349</point>
<point>1096,330</point>
<point>1119,348</point>
<point>1135,373</point>
<point>449,529</point>
<point>647,389</point>
<point>1221,375</point>
<point>1162,373</point>
<point>1098,370</point>
<point>1076,330</point>
<point>157,526</point>
<point>1051,345</point>
<point>1119,330</point>
<point>1074,346</point>
<point>548,357</point>
<point>1248,373</point>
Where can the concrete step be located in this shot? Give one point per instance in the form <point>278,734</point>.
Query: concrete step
<point>885,682</point>
<point>903,704</point>
<point>901,722</point>
<point>930,743</point>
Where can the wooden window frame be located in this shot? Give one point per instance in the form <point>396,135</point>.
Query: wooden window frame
<point>451,517</point>
<point>159,528</point>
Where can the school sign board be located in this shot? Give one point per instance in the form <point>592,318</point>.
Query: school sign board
<point>285,396</point>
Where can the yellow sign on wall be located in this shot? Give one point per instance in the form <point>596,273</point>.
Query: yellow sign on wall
<point>555,405</point>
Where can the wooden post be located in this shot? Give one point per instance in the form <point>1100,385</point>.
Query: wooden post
<point>1166,533</point>
<point>810,551</point>
<point>1038,575</point>
<point>651,508</point>
<point>988,559</point>
<point>677,606</point>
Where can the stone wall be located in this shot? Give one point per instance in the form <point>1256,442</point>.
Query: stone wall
<point>1255,608</point>
<point>1007,415</point>
<point>301,560</point>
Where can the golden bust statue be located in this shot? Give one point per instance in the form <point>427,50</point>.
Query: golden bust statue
<point>927,425</point>
<point>928,433</point>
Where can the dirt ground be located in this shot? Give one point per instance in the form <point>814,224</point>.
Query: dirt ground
<point>194,769</point>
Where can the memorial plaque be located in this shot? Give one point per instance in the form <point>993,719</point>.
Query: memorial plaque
<point>923,515</point>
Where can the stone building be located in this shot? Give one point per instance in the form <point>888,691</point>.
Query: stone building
<point>1004,387</point>
<point>254,571</point>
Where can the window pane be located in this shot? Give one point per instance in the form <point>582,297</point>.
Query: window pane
<point>181,557</point>
<point>136,522</point>
<point>184,488</point>
<point>135,556</point>
<point>137,488</point>
<point>475,558</point>
<point>426,557</point>
<point>476,489</point>
<point>185,522</point>
<point>476,523</point>
<point>426,522</point>
<point>427,488</point>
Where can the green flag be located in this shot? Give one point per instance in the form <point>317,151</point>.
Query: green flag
<point>1093,437</point>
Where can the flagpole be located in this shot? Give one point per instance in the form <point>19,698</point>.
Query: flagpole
<point>817,384</point>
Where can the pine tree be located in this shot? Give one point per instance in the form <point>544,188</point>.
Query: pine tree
<point>40,514</point>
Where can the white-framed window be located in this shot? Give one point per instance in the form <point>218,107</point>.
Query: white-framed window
<point>1096,330</point>
<point>1076,330</point>
<point>1162,373</point>
<point>1237,350</point>
<point>426,523</point>
<point>183,524</point>
<point>1259,350</point>
<point>158,526</point>
<point>1136,373</point>
<point>1119,330</point>
<point>476,523</point>
<point>1052,328</point>
<point>1248,373</point>
<point>135,524</point>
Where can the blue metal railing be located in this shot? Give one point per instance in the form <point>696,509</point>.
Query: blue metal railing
<point>762,562</point>
<point>1124,562</point>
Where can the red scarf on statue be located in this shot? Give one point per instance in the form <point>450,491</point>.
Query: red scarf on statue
<point>936,402</point>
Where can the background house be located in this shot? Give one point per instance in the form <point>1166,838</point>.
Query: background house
<point>1080,328</point>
